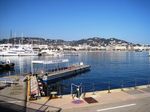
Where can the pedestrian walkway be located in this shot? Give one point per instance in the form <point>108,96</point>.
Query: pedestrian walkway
<point>100,97</point>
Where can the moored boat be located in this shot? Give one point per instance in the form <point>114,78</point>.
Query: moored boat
<point>47,52</point>
<point>6,65</point>
<point>19,50</point>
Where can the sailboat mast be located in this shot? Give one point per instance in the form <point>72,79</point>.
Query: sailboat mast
<point>10,36</point>
<point>22,38</point>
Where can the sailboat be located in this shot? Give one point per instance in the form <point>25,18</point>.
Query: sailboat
<point>19,50</point>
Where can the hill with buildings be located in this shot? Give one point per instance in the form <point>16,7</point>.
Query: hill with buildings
<point>90,44</point>
<point>95,41</point>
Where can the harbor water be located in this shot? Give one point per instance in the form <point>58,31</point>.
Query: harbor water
<point>114,69</point>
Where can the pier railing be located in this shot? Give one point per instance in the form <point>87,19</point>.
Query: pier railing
<point>65,88</point>
<point>109,85</point>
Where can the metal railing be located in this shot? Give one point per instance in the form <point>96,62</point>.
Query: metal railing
<point>64,88</point>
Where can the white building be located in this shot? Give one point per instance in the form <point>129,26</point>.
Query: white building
<point>120,47</point>
<point>138,47</point>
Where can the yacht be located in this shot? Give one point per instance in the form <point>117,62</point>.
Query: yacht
<point>19,50</point>
<point>47,52</point>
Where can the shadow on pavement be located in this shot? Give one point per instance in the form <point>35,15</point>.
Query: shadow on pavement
<point>11,107</point>
<point>6,106</point>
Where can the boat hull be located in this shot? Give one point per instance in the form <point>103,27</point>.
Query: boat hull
<point>7,66</point>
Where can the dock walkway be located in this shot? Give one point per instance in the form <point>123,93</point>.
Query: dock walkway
<point>68,72</point>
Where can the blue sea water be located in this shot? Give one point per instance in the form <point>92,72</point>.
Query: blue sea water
<point>108,69</point>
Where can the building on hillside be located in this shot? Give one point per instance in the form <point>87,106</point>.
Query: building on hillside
<point>120,47</point>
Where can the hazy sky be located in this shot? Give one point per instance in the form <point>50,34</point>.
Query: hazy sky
<point>75,19</point>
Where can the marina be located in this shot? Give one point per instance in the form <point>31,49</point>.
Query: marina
<point>75,56</point>
<point>41,80</point>
<point>105,67</point>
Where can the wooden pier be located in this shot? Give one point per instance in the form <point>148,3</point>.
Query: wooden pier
<point>68,72</point>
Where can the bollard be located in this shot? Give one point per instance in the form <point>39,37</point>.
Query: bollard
<point>83,96</point>
<point>135,84</point>
<point>109,87</point>
<point>148,85</point>
<point>93,89</point>
<point>59,91</point>
<point>122,86</point>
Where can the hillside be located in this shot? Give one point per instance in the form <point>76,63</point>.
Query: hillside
<point>95,41</point>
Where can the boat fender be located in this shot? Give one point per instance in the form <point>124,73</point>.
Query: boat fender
<point>81,63</point>
<point>8,61</point>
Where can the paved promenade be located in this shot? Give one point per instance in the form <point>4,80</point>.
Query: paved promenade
<point>13,98</point>
<point>115,101</point>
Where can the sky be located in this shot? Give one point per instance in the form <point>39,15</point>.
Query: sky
<point>76,19</point>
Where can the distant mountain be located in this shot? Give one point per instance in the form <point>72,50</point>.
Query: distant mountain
<point>95,41</point>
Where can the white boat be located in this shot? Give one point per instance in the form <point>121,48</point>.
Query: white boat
<point>4,47</point>
<point>19,50</point>
<point>47,52</point>
<point>149,53</point>
<point>71,54</point>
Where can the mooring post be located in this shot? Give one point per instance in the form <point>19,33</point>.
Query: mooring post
<point>93,88</point>
<point>135,84</point>
<point>122,86</point>
<point>148,85</point>
<point>109,87</point>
